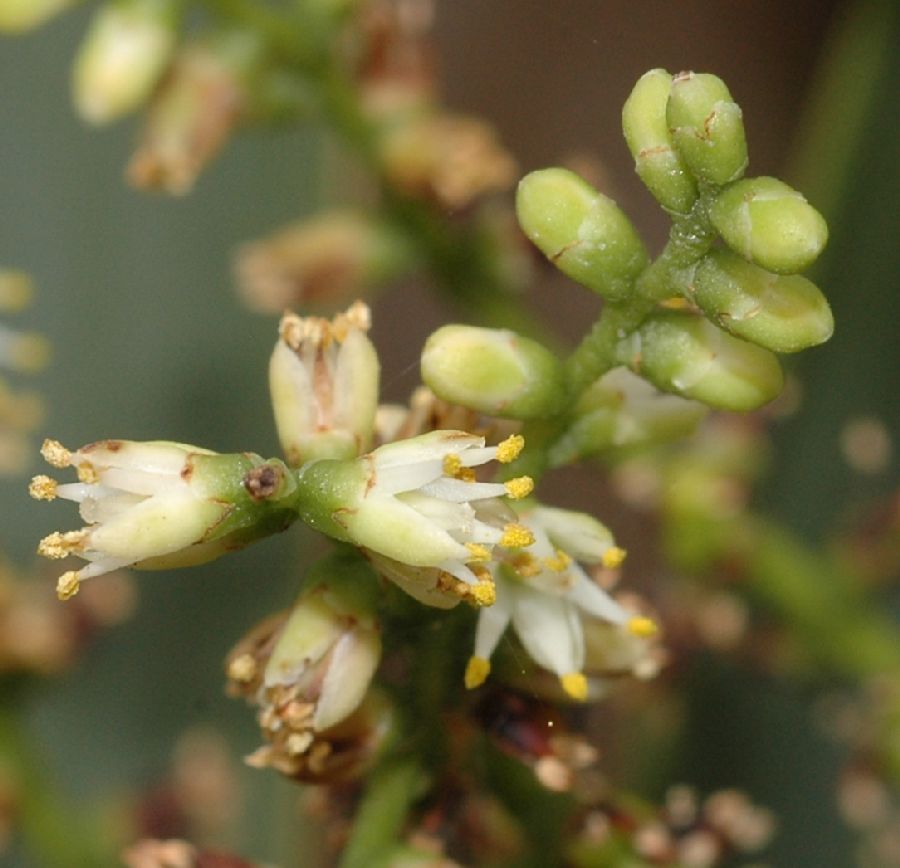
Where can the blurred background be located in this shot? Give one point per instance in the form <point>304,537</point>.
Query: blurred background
<point>135,293</point>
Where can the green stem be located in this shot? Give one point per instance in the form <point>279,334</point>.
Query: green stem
<point>381,815</point>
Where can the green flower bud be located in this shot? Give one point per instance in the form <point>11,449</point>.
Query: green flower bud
<point>783,313</point>
<point>159,505</point>
<point>494,371</point>
<point>656,160</point>
<point>769,223</point>
<point>707,127</point>
<point>621,410</point>
<point>686,354</point>
<point>122,57</point>
<point>20,15</point>
<point>582,232</point>
<point>323,378</point>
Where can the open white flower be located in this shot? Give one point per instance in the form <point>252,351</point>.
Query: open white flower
<point>417,503</point>
<point>543,594</point>
<point>157,505</point>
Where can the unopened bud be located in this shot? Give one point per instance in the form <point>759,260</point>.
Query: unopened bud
<point>323,378</point>
<point>494,371</point>
<point>19,15</point>
<point>707,127</point>
<point>656,160</point>
<point>122,57</point>
<point>783,313</point>
<point>686,354</point>
<point>769,223</point>
<point>582,232</point>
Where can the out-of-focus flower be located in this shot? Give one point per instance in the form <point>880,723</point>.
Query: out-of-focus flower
<point>159,505</point>
<point>543,592</point>
<point>450,159</point>
<point>323,379</point>
<point>326,260</point>
<point>417,503</point>
<point>174,853</point>
<point>195,110</point>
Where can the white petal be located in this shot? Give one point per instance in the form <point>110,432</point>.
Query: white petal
<point>493,620</point>
<point>588,595</point>
<point>353,663</point>
<point>459,491</point>
<point>550,630</point>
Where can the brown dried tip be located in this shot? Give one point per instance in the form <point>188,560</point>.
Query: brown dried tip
<point>263,481</point>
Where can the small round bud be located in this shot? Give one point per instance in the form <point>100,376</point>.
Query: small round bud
<point>769,223</point>
<point>494,371</point>
<point>656,161</point>
<point>707,127</point>
<point>582,232</point>
<point>685,354</point>
<point>783,313</point>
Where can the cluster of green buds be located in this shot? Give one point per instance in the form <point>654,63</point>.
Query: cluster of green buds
<point>706,318</point>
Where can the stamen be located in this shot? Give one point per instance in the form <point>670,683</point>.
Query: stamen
<point>479,552</point>
<point>516,536</point>
<point>68,585</point>
<point>242,669</point>
<point>87,473</point>
<point>484,593</point>
<point>42,488</point>
<point>642,627</point>
<point>510,448</point>
<point>466,474</point>
<point>452,465</point>
<point>477,671</point>
<point>575,685</point>
<point>519,487</point>
<point>559,563</point>
<point>60,545</point>
<point>55,454</point>
<point>613,557</point>
<point>526,565</point>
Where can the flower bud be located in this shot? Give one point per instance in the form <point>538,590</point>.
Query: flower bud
<point>770,224</point>
<point>656,160</point>
<point>122,57</point>
<point>159,505</point>
<point>329,259</point>
<point>494,371</point>
<point>707,127</point>
<point>622,410</point>
<point>686,354</point>
<point>582,232</point>
<point>19,15</point>
<point>323,378</point>
<point>783,313</point>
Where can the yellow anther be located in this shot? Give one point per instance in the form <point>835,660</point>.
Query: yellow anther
<point>60,545</point>
<point>559,562</point>
<point>482,573</point>
<point>30,353</point>
<point>55,454</point>
<point>68,585</point>
<point>479,552</point>
<point>15,290</point>
<point>243,668</point>
<point>526,565</point>
<point>452,464</point>
<point>516,536</point>
<point>519,487</point>
<point>87,473</point>
<point>42,488</point>
<point>477,671</point>
<point>510,448</point>
<point>575,685</point>
<point>613,557</point>
<point>484,593</point>
<point>466,474</point>
<point>643,627</point>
